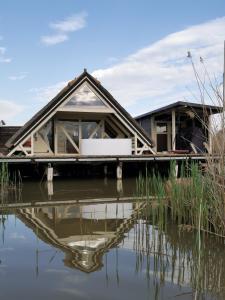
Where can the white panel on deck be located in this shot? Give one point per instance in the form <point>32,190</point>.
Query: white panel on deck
<point>106,147</point>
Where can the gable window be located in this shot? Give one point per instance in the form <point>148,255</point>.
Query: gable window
<point>84,96</point>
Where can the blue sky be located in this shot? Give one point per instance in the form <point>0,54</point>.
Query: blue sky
<point>136,48</point>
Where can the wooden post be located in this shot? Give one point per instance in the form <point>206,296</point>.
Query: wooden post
<point>119,171</point>
<point>49,173</point>
<point>153,133</point>
<point>173,130</point>
<point>119,186</point>
<point>55,136</point>
<point>105,170</point>
<point>50,188</point>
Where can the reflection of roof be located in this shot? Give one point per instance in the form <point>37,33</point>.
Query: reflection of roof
<point>83,246</point>
<point>211,109</point>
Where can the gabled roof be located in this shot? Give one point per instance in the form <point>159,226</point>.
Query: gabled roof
<point>211,109</point>
<point>60,97</point>
<point>6,132</point>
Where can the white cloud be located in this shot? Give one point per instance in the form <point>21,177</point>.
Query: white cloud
<point>4,59</point>
<point>9,109</point>
<point>159,73</point>
<point>45,94</point>
<point>2,50</point>
<point>63,28</point>
<point>54,39</point>
<point>20,76</point>
<point>71,24</point>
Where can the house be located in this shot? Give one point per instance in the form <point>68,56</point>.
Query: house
<point>6,132</point>
<point>180,127</point>
<point>82,120</point>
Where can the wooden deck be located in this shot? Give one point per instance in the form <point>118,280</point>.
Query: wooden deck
<point>92,159</point>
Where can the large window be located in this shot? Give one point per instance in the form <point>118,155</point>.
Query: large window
<point>84,96</point>
<point>91,129</point>
<point>67,137</point>
<point>43,139</point>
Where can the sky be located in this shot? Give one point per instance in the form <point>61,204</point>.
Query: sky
<point>137,49</point>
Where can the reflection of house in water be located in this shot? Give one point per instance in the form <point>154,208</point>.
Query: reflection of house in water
<point>83,232</point>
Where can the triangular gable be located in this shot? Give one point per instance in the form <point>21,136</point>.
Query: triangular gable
<point>62,98</point>
<point>84,97</point>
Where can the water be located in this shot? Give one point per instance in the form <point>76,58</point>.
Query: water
<point>93,240</point>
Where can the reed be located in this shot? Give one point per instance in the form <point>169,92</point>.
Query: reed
<point>10,184</point>
<point>173,255</point>
<point>192,201</point>
<point>9,179</point>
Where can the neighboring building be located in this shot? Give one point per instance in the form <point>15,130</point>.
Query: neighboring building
<point>6,132</point>
<point>181,127</point>
<point>83,119</point>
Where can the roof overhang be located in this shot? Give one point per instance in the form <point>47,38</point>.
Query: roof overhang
<point>210,109</point>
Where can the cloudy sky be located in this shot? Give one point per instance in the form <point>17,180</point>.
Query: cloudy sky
<point>137,49</point>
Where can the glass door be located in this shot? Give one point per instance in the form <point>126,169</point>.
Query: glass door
<point>67,136</point>
<point>162,136</point>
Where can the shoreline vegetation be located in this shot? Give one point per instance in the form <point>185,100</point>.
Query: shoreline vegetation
<point>195,201</point>
<point>9,181</point>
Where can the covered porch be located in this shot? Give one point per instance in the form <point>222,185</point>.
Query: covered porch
<point>180,127</point>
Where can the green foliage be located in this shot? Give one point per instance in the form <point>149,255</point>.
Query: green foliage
<point>192,200</point>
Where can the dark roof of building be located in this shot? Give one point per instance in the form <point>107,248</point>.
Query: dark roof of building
<point>58,99</point>
<point>6,132</point>
<point>211,109</point>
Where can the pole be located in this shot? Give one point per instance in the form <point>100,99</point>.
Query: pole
<point>173,130</point>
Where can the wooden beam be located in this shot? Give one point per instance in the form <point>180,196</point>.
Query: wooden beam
<point>123,129</point>
<point>118,131</point>
<point>153,132</point>
<point>69,138</point>
<point>96,129</point>
<point>55,132</point>
<point>43,141</point>
<point>173,130</point>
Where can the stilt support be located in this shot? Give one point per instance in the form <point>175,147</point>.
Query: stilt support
<point>119,186</point>
<point>50,188</point>
<point>105,170</point>
<point>119,170</point>
<point>49,173</point>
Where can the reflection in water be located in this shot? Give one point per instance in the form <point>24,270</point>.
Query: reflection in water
<point>83,232</point>
<point>112,238</point>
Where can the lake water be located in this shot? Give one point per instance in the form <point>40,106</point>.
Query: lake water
<point>92,239</point>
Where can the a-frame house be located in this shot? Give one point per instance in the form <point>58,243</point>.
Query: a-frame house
<point>83,119</point>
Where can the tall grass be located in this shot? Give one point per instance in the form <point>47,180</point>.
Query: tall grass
<point>212,91</point>
<point>191,201</point>
<point>9,179</point>
<point>10,182</point>
<point>173,256</point>
<point>187,208</point>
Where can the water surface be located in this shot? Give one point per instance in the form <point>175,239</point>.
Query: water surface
<point>92,239</point>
